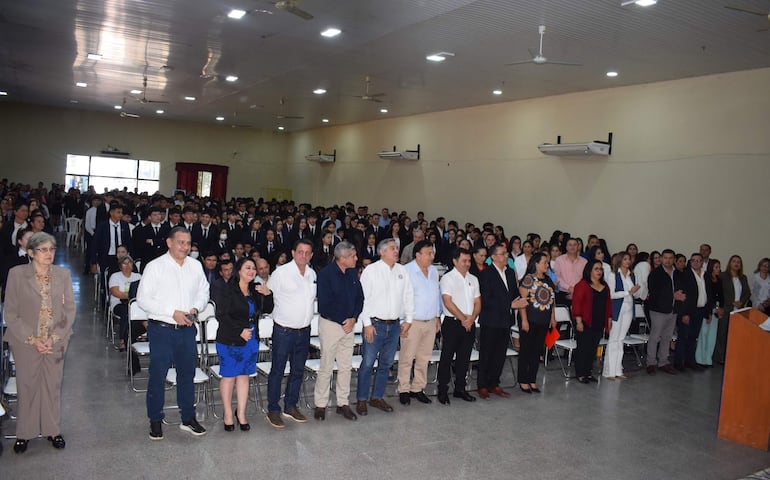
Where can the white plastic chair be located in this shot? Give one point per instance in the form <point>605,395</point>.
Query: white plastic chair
<point>73,225</point>
<point>142,349</point>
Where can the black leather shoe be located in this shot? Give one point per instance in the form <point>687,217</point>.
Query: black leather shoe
<point>421,397</point>
<point>443,399</point>
<point>57,442</point>
<point>404,398</point>
<point>465,396</point>
<point>20,446</point>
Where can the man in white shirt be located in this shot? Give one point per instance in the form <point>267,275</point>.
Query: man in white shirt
<point>172,291</point>
<point>294,290</point>
<point>418,337</point>
<point>388,299</point>
<point>462,304</point>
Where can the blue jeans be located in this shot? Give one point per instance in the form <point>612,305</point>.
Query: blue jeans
<point>292,346</point>
<point>171,347</point>
<point>382,349</point>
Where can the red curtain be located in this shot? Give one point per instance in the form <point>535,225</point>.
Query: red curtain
<point>187,178</point>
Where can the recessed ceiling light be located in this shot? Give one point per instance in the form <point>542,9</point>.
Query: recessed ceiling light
<point>160,112</point>
<point>331,32</point>
<point>231,78</point>
<point>646,3</point>
<point>325,120</point>
<point>281,128</point>
<point>497,92</point>
<point>81,84</point>
<point>612,73</point>
<point>220,119</point>
<point>73,101</point>
<point>118,107</point>
<point>94,56</point>
<point>383,110</point>
<point>189,99</point>
<point>439,57</point>
<point>3,93</point>
<point>135,92</point>
<point>236,14</point>
<point>319,91</point>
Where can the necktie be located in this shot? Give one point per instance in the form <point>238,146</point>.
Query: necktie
<point>116,239</point>
<point>156,231</point>
<point>371,251</point>
<point>254,236</point>
<point>269,247</point>
<point>205,232</point>
<point>189,228</point>
<point>326,249</point>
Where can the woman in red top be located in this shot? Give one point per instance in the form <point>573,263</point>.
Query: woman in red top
<point>592,312</point>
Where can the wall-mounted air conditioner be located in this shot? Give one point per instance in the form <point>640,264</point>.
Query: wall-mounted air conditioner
<point>322,157</point>
<point>597,147</point>
<point>402,155</point>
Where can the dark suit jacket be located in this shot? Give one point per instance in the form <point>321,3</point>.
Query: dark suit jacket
<point>496,299</point>
<point>277,247</point>
<point>100,245</point>
<point>204,243</point>
<point>233,312</point>
<point>381,233</point>
<point>157,243</point>
<point>728,291</point>
<point>686,282</point>
<point>661,297</point>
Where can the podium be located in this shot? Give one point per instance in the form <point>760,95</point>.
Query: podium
<point>744,415</point>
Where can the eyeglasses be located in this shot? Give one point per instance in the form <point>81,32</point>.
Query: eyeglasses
<point>46,249</point>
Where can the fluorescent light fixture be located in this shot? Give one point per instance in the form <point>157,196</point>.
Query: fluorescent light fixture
<point>612,74</point>
<point>81,84</point>
<point>331,32</point>
<point>118,107</point>
<point>383,110</point>
<point>497,91</point>
<point>160,112</point>
<point>220,119</point>
<point>319,91</point>
<point>73,101</point>
<point>646,3</point>
<point>231,78</point>
<point>94,56</point>
<point>281,128</point>
<point>325,120</point>
<point>189,99</point>
<point>135,92</point>
<point>3,93</point>
<point>236,14</point>
<point>439,57</point>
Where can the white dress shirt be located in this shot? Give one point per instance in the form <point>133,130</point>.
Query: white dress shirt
<point>167,286</point>
<point>293,295</point>
<point>628,284</point>
<point>388,293</point>
<point>463,290</point>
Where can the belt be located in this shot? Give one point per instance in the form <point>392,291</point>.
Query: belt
<point>446,317</point>
<point>381,320</point>
<point>289,328</point>
<point>173,326</point>
<point>428,320</point>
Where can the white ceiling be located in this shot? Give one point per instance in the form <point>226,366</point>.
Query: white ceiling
<point>44,46</point>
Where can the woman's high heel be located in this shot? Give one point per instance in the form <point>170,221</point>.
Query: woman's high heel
<point>229,428</point>
<point>245,427</point>
<point>525,390</point>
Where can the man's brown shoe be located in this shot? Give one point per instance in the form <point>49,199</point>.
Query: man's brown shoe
<point>381,404</point>
<point>320,413</point>
<point>483,393</point>
<point>346,412</point>
<point>361,408</point>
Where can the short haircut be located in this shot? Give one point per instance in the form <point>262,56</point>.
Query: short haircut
<point>419,246</point>
<point>115,206</point>
<point>384,244</point>
<point>40,238</point>
<point>178,229</point>
<point>457,252</point>
<point>667,250</point>
<point>302,241</point>
<point>343,249</point>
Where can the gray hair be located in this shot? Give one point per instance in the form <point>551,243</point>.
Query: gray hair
<point>124,258</point>
<point>343,249</point>
<point>40,238</point>
<point>384,244</point>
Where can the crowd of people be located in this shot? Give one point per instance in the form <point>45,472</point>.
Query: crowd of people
<point>405,280</point>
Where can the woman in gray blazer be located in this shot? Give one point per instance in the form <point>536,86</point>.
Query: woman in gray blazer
<point>39,311</point>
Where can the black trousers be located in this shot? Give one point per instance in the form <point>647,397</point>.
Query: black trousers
<point>493,343</point>
<point>585,354</point>
<point>531,345</point>
<point>456,343</point>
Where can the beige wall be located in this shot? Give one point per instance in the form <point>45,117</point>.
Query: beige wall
<point>34,142</point>
<point>690,163</point>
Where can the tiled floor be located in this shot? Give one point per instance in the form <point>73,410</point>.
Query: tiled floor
<point>647,428</point>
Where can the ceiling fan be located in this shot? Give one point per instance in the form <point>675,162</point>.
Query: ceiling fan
<point>144,98</point>
<point>753,12</point>
<point>124,113</point>
<point>539,59</point>
<point>284,116</point>
<point>371,97</point>
<point>291,7</point>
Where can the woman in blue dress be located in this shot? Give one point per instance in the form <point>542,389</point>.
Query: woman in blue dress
<point>238,310</point>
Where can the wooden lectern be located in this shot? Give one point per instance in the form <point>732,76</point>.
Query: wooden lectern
<point>744,416</point>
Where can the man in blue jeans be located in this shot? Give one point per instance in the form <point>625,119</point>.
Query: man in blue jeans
<point>388,299</point>
<point>172,291</point>
<point>294,289</point>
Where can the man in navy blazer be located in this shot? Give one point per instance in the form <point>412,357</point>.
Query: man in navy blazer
<point>499,299</point>
<point>105,243</point>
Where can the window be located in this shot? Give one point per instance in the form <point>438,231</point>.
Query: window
<point>111,174</point>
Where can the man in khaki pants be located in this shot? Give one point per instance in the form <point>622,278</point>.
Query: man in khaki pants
<point>417,337</point>
<point>340,301</point>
